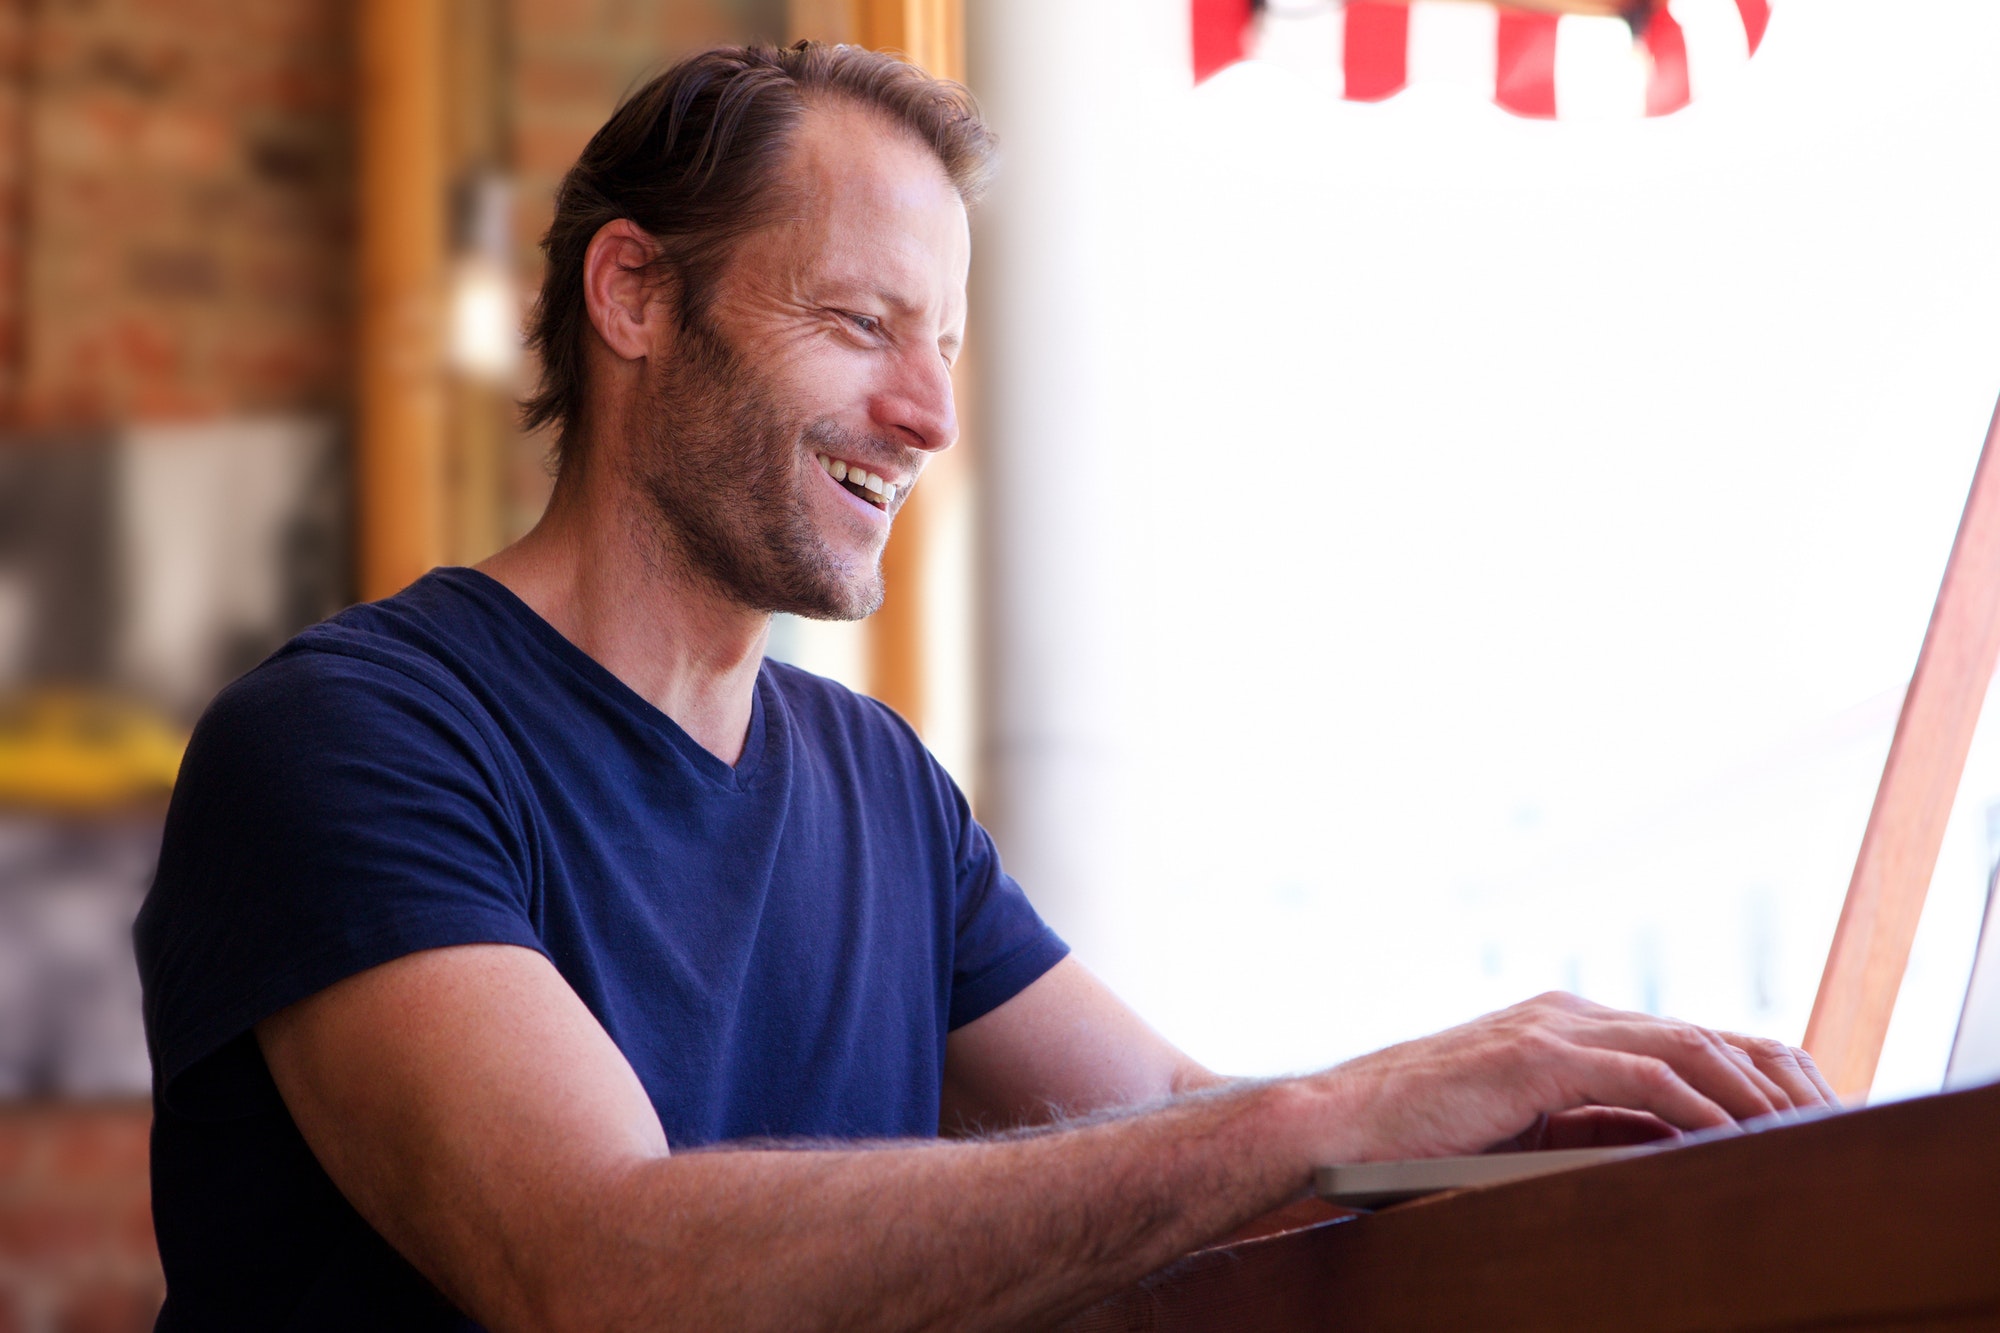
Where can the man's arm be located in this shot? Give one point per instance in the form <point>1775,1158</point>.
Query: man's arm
<point>473,1111</point>
<point>1066,1046</point>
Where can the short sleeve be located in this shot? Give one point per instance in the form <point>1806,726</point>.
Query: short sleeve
<point>1002,944</point>
<point>333,813</point>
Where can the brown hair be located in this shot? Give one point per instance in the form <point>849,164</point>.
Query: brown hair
<point>696,158</point>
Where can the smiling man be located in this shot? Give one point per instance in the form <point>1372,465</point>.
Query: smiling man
<point>528,950</point>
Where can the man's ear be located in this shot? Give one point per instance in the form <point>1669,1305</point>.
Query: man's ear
<point>624,299</point>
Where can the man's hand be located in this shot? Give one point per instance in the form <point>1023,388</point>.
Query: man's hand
<point>1557,1071</point>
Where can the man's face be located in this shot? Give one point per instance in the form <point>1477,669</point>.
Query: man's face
<point>792,417</point>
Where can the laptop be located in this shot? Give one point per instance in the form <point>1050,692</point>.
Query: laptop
<point>1975,1061</point>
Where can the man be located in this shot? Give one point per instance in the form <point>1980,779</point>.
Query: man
<point>482,907</point>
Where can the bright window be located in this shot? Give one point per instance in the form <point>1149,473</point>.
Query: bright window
<point>1528,530</point>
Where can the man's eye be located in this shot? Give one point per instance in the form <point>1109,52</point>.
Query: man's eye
<point>866,323</point>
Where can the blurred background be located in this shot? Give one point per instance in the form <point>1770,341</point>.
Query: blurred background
<point>1405,554</point>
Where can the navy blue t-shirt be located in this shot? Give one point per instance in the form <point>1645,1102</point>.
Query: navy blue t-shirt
<point>778,948</point>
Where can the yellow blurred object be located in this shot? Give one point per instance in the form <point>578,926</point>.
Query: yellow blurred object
<point>78,751</point>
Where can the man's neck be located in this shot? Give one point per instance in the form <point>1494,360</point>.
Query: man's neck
<point>588,570</point>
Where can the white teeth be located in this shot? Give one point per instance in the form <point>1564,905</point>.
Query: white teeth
<point>856,476</point>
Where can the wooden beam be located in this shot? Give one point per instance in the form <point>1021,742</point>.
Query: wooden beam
<point>928,33</point>
<point>480,412</point>
<point>1885,899</point>
<point>401,439</point>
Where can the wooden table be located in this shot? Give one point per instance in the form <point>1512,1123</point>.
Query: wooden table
<point>1887,1217</point>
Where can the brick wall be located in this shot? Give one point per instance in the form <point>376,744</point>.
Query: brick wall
<point>176,242</point>
<point>181,175</point>
<point>76,1227</point>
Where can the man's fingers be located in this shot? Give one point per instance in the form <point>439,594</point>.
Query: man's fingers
<point>1700,1058</point>
<point>1778,1096</point>
<point>1602,1127</point>
<point>1790,1068</point>
<point>1811,1067</point>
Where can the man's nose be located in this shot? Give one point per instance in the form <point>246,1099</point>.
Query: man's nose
<point>917,406</point>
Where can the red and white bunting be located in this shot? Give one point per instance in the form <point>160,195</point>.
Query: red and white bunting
<point>1533,64</point>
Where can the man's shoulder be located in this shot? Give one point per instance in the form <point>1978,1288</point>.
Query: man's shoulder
<point>833,710</point>
<point>430,628</point>
<point>397,663</point>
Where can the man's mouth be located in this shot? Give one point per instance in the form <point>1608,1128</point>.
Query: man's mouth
<point>863,483</point>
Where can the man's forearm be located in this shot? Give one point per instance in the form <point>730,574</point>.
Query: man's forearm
<point>474,1112</point>
<point>995,1233</point>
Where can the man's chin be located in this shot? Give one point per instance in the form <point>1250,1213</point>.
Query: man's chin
<point>859,605</point>
<point>834,598</point>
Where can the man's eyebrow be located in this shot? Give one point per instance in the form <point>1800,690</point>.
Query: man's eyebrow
<point>897,302</point>
<point>904,306</point>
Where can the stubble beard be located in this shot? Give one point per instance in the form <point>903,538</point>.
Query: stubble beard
<point>726,469</point>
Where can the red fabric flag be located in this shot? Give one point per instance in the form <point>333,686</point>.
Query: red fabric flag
<point>1376,50</point>
<point>1667,90</point>
<point>1220,27</point>
<point>1756,17</point>
<point>1524,77</point>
